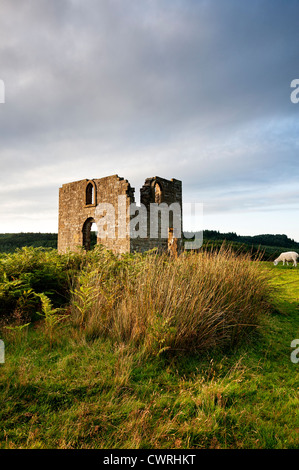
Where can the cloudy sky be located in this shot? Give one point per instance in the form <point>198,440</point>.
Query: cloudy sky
<point>197,90</point>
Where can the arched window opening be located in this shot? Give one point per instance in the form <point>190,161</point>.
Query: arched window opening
<point>158,193</point>
<point>90,194</point>
<point>90,234</point>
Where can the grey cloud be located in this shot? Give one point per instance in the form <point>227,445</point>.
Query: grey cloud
<point>197,90</point>
<point>210,62</point>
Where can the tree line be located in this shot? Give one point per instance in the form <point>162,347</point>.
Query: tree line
<point>271,245</point>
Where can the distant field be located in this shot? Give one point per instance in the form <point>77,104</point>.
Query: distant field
<point>72,384</point>
<point>9,242</point>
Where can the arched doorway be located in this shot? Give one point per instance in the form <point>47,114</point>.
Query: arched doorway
<point>89,234</point>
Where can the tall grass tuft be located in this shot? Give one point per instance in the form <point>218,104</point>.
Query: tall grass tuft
<point>195,302</point>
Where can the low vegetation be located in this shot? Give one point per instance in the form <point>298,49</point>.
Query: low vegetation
<point>144,351</point>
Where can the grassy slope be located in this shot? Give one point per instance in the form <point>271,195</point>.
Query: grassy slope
<point>97,395</point>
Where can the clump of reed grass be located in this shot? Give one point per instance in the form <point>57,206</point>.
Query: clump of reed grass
<point>195,302</point>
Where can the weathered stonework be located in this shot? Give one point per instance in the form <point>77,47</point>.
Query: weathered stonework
<point>81,204</point>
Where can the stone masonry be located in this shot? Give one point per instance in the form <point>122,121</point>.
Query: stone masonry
<point>85,202</point>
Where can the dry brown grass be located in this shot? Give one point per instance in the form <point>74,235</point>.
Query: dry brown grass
<point>196,301</point>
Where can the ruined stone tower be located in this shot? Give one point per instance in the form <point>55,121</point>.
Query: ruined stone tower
<point>109,203</point>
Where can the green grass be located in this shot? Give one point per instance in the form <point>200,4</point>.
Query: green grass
<point>77,392</point>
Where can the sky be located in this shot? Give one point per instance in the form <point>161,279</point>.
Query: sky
<point>197,90</point>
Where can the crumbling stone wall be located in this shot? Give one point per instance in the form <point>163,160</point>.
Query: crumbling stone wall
<point>81,203</point>
<point>159,190</point>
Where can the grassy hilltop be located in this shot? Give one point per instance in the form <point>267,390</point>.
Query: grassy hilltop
<point>142,351</point>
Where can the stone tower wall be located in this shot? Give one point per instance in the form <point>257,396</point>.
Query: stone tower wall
<point>74,212</point>
<point>81,203</point>
<point>158,190</point>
